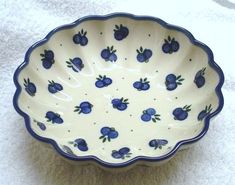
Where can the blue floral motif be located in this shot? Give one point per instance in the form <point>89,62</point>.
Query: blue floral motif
<point>53,117</point>
<point>108,54</point>
<point>199,79</point>
<point>84,107</point>
<point>120,104</point>
<point>172,81</point>
<point>80,38</point>
<point>150,114</point>
<point>108,133</point>
<point>120,32</point>
<point>76,64</point>
<point>122,153</point>
<point>47,59</point>
<point>142,84</point>
<point>181,113</point>
<point>103,81</point>
<point>30,87</point>
<point>204,113</point>
<point>80,143</point>
<point>170,46</point>
<point>158,143</point>
<point>54,87</point>
<point>143,55</point>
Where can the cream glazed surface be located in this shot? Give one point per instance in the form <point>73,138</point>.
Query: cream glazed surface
<point>118,89</point>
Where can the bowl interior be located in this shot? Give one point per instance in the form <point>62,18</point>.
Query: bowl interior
<point>117,89</point>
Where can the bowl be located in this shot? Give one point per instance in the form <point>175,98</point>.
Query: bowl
<point>118,90</point>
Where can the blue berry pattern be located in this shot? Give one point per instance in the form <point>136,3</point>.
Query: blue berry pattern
<point>142,84</point>
<point>143,55</point>
<point>204,113</point>
<point>181,113</point>
<point>108,133</point>
<point>199,79</point>
<point>84,108</point>
<point>30,87</point>
<point>41,125</point>
<point>122,153</point>
<point>76,64</point>
<point>172,81</point>
<point>53,117</point>
<point>80,38</point>
<point>103,81</point>
<point>170,45</point>
<point>108,54</point>
<point>68,150</point>
<point>150,114</point>
<point>157,143</point>
<point>47,59</point>
<point>54,87</point>
<point>120,104</point>
<point>120,32</point>
<point>80,144</point>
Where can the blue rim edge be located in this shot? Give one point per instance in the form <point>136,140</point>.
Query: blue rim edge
<point>138,158</point>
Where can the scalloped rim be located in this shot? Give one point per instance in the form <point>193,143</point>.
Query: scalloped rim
<point>138,158</point>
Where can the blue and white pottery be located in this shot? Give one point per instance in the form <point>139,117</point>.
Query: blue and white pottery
<point>118,90</point>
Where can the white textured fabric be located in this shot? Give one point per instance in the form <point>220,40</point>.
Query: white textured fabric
<point>24,161</point>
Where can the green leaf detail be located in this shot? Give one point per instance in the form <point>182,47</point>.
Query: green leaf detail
<point>101,137</point>
<point>178,77</point>
<point>169,38</point>
<point>181,79</point>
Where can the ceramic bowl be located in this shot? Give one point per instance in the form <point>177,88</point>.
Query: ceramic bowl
<point>118,90</point>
